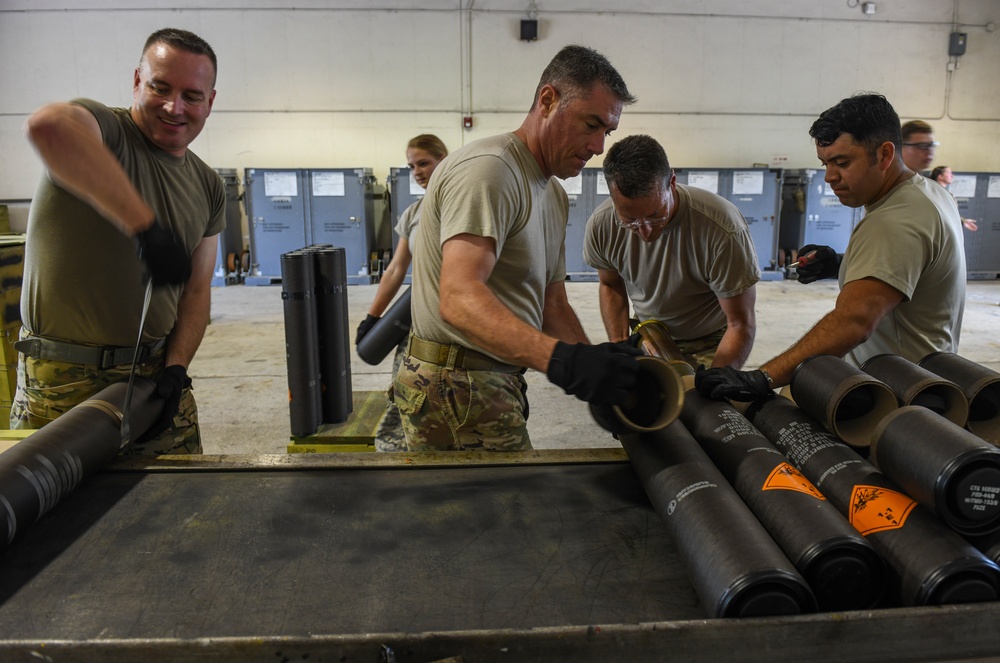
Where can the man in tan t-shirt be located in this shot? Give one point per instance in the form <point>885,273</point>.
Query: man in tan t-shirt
<point>123,200</point>
<point>682,255</point>
<point>902,277</point>
<point>488,297</point>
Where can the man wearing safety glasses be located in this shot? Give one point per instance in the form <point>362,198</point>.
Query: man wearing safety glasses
<point>682,255</point>
<point>918,145</point>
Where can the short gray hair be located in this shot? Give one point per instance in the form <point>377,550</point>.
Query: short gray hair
<point>575,70</point>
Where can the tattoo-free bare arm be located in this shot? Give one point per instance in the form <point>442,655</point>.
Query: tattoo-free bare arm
<point>558,317</point>
<point>68,139</point>
<point>392,278</point>
<point>860,306</point>
<point>613,299</point>
<point>470,306</point>
<point>736,343</point>
<point>195,305</point>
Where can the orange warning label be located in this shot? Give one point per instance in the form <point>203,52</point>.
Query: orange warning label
<point>875,509</point>
<point>786,477</point>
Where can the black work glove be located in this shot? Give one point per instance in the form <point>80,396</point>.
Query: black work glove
<point>633,341</point>
<point>165,255</point>
<point>601,374</point>
<point>365,327</point>
<point>823,264</point>
<point>169,386</point>
<point>728,383</point>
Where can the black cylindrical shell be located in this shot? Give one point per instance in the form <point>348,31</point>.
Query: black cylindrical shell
<point>333,334</point>
<point>981,386</point>
<point>737,569</point>
<point>388,332</point>
<point>846,400</point>
<point>944,467</point>
<point>932,564</point>
<point>914,385</point>
<point>39,471</point>
<point>843,570</point>
<point>988,544</point>
<point>298,286</point>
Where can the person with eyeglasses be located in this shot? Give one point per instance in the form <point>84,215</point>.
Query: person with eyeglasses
<point>918,145</point>
<point>902,277</point>
<point>681,255</point>
<point>489,270</point>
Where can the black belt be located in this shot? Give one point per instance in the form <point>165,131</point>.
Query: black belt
<point>470,360</point>
<point>103,357</point>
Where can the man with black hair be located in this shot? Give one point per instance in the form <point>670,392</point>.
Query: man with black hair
<point>123,200</point>
<point>682,255</point>
<point>902,277</point>
<point>489,269</point>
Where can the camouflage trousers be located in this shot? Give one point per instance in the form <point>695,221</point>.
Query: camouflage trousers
<point>701,350</point>
<point>389,434</point>
<point>46,389</point>
<point>453,409</point>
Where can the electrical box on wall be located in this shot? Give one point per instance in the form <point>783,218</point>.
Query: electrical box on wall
<point>956,43</point>
<point>529,30</point>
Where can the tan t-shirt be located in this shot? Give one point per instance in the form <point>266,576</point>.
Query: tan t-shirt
<point>82,279</point>
<point>409,219</point>
<point>492,187</point>
<point>705,253</point>
<point>912,240</point>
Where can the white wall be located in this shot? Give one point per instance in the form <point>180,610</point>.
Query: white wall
<point>334,83</point>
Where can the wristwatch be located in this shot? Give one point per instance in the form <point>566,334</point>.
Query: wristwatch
<point>767,376</point>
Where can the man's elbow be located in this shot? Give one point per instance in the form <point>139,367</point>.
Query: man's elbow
<point>447,309</point>
<point>42,127</point>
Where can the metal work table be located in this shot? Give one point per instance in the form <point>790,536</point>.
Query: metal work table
<point>548,555</point>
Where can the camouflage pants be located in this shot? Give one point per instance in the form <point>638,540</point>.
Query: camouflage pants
<point>701,350</point>
<point>389,434</point>
<point>452,409</point>
<point>47,389</point>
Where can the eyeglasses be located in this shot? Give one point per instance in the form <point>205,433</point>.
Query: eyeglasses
<point>634,225</point>
<point>923,146</point>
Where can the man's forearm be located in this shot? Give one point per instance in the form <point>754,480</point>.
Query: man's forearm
<point>561,322</point>
<point>614,312</point>
<point>832,335</point>
<point>735,346</point>
<point>483,319</point>
<point>193,313</point>
<point>194,309</point>
<point>67,139</point>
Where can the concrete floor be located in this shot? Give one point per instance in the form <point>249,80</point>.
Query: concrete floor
<point>241,384</point>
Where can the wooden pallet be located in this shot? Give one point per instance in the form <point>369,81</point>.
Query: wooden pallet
<point>357,433</point>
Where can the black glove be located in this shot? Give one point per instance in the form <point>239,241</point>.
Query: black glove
<point>365,327</point>
<point>824,264</point>
<point>602,374</point>
<point>633,341</point>
<point>169,386</point>
<point>165,255</point>
<point>728,383</point>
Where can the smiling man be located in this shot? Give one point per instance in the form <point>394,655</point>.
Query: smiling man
<point>122,200</point>
<point>902,277</point>
<point>682,255</point>
<point>489,298</point>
